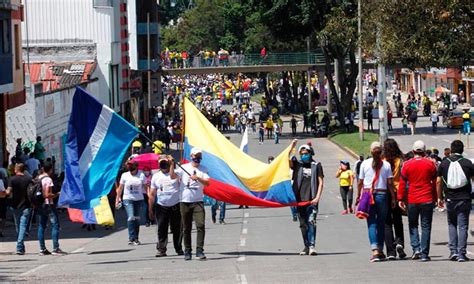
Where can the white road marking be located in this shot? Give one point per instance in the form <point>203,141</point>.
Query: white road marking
<point>242,242</point>
<point>246,215</point>
<point>241,278</point>
<point>241,257</point>
<point>244,231</point>
<point>246,221</point>
<point>34,270</point>
<point>78,250</point>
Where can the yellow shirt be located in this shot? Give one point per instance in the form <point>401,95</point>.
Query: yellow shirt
<point>137,144</point>
<point>345,178</point>
<point>157,147</point>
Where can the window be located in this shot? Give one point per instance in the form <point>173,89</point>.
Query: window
<point>4,36</point>
<point>17,47</point>
<point>102,3</point>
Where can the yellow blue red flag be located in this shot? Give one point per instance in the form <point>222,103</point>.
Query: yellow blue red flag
<point>235,177</point>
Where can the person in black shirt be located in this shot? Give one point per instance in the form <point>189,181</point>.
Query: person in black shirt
<point>457,200</point>
<point>17,187</point>
<point>308,186</point>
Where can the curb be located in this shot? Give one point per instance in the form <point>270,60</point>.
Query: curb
<point>345,149</point>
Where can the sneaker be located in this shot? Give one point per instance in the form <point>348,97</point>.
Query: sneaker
<point>425,258</point>
<point>58,251</point>
<point>136,243</point>
<point>401,252</point>
<point>160,254</point>
<point>20,252</point>
<point>416,255</point>
<point>453,257</point>
<point>214,219</point>
<point>305,251</point>
<point>188,255</point>
<point>130,243</point>
<point>344,212</point>
<point>295,219</point>
<point>375,258</point>
<point>382,256</point>
<point>200,255</point>
<point>222,222</point>
<point>391,257</point>
<point>463,258</point>
<point>180,252</point>
<point>44,252</point>
<point>312,251</point>
<point>351,210</point>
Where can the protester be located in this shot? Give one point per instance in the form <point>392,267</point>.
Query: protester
<point>413,117</point>
<point>39,150</point>
<point>454,190</point>
<point>32,165</point>
<point>293,125</point>
<point>308,182</point>
<point>395,245</point>
<point>418,187</point>
<point>193,179</point>
<point>346,181</point>
<point>164,189</point>
<point>434,121</point>
<point>132,185</point>
<point>466,118</point>
<point>148,177</point>
<point>261,133</point>
<point>48,212</point>
<point>375,183</point>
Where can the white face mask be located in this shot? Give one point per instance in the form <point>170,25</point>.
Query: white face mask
<point>160,115</point>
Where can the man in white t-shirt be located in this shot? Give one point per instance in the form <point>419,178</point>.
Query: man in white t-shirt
<point>376,177</point>
<point>163,200</point>
<point>48,212</point>
<point>132,184</point>
<point>193,179</point>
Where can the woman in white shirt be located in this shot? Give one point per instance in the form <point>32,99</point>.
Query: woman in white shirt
<point>132,185</point>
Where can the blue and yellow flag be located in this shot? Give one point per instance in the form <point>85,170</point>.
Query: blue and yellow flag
<point>236,177</point>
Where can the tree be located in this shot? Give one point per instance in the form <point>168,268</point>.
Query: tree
<point>420,33</point>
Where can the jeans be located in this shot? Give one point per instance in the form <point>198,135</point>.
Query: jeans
<point>393,222</point>
<point>376,221</point>
<point>261,136</point>
<point>347,196</point>
<point>23,216</point>
<point>189,212</point>
<point>134,211</point>
<point>48,212</point>
<point>168,217</point>
<point>214,210</point>
<point>434,126</point>
<point>424,212</point>
<point>17,214</point>
<point>307,215</point>
<point>458,224</point>
<point>294,211</point>
<point>277,138</point>
<point>466,127</point>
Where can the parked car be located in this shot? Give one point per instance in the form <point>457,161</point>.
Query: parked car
<point>455,119</point>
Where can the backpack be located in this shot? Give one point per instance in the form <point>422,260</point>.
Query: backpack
<point>34,192</point>
<point>456,178</point>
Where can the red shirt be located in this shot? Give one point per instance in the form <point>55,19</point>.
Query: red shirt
<point>420,174</point>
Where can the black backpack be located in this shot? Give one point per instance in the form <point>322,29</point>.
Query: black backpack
<point>35,192</point>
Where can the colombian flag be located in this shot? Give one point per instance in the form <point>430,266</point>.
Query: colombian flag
<point>236,177</point>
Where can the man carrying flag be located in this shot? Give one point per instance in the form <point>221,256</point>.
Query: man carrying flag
<point>308,180</point>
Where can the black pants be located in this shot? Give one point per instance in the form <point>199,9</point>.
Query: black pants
<point>347,195</point>
<point>168,217</point>
<point>189,212</point>
<point>393,221</point>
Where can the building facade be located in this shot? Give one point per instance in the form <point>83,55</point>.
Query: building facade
<point>12,90</point>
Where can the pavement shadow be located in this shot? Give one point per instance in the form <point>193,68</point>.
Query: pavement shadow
<point>110,251</point>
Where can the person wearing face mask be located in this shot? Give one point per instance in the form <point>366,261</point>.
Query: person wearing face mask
<point>308,181</point>
<point>132,185</point>
<point>164,205</point>
<point>193,179</point>
<point>148,176</point>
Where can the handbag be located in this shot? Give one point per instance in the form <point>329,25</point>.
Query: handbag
<point>367,198</point>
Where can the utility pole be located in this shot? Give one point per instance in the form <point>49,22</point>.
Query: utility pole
<point>308,46</point>
<point>148,105</point>
<point>381,92</point>
<point>158,74</point>
<point>360,87</point>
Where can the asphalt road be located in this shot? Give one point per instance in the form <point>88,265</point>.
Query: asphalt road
<point>257,245</point>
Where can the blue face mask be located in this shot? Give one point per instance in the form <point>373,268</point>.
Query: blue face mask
<point>306,157</point>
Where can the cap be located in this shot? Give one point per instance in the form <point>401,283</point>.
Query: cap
<point>195,151</point>
<point>345,162</point>
<point>419,146</point>
<point>374,145</point>
<point>304,147</point>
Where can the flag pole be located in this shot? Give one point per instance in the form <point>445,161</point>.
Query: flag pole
<point>156,145</point>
